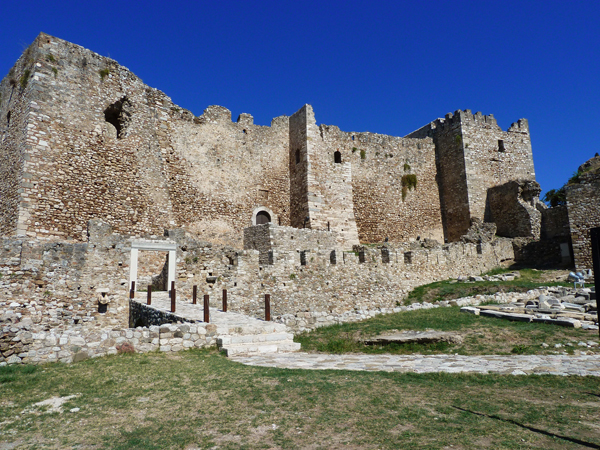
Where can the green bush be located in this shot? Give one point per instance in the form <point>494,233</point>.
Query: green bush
<point>104,73</point>
<point>25,78</point>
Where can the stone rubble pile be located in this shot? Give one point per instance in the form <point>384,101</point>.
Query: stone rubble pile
<point>571,307</point>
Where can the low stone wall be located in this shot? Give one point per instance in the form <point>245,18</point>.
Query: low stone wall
<point>21,345</point>
<point>142,316</point>
<point>306,321</point>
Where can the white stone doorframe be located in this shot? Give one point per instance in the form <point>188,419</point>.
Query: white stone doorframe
<point>160,246</point>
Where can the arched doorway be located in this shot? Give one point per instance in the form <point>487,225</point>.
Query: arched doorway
<point>262,217</point>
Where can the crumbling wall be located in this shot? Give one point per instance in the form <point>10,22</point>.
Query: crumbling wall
<point>474,154</point>
<point>583,204</point>
<point>515,209</point>
<point>102,144</point>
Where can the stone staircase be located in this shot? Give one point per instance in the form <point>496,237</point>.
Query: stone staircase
<point>236,334</point>
<point>258,339</point>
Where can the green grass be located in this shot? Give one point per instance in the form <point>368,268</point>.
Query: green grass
<point>451,289</point>
<point>482,335</point>
<point>199,399</point>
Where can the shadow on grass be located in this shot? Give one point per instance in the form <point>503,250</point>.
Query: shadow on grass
<point>535,430</point>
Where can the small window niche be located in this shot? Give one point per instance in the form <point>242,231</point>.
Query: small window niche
<point>501,145</point>
<point>337,157</point>
<point>298,156</point>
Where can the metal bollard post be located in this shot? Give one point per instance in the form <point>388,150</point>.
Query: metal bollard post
<point>173,297</point>
<point>206,310</point>
<point>132,291</point>
<point>149,298</point>
<point>224,300</point>
<point>194,294</point>
<point>268,307</point>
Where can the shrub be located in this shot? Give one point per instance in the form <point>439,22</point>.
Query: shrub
<point>104,73</point>
<point>25,78</point>
<point>406,167</point>
<point>556,197</point>
<point>363,154</point>
<point>409,181</point>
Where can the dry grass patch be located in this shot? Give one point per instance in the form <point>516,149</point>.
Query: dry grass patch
<point>202,400</point>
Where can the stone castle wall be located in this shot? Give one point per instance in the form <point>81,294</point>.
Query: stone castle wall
<point>88,139</point>
<point>15,109</point>
<point>100,143</point>
<point>474,154</point>
<point>384,207</point>
<point>583,203</point>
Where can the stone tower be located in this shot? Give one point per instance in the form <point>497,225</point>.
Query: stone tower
<point>320,183</point>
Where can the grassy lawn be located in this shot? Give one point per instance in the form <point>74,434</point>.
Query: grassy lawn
<point>199,399</point>
<point>481,335</point>
<point>450,289</point>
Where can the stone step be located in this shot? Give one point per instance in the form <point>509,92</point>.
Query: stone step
<point>254,338</point>
<point>254,348</point>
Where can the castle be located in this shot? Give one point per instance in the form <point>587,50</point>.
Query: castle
<point>83,138</point>
<point>92,160</point>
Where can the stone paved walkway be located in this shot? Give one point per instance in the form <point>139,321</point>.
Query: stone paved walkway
<point>514,365</point>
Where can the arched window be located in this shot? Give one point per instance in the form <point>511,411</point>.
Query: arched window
<point>337,157</point>
<point>262,217</point>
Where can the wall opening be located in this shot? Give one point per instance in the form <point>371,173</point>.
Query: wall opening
<point>262,217</point>
<point>361,255</point>
<point>118,115</point>
<point>385,255</point>
<point>500,145</point>
<point>303,258</point>
<point>8,118</point>
<point>407,257</point>
<point>297,156</point>
<point>332,257</point>
<point>337,157</point>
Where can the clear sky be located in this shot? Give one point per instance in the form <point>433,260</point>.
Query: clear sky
<point>380,66</point>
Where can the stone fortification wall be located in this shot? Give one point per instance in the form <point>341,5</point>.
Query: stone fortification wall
<point>386,205</point>
<point>100,143</point>
<point>515,209</point>
<point>274,241</point>
<point>16,92</point>
<point>583,203</point>
<point>493,156</point>
<point>233,168</point>
<point>555,222</point>
<point>62,285</point>
<point>474,154</point>
<point>451,170</point>
<point>322,188</point>
<point>31,346</point>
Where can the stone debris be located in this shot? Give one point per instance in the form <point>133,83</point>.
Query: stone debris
<point>50,405</point>
<point>568,307</point>
<point>419,337</point>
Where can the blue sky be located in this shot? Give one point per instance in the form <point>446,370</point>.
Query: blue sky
<point>384,67</point>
